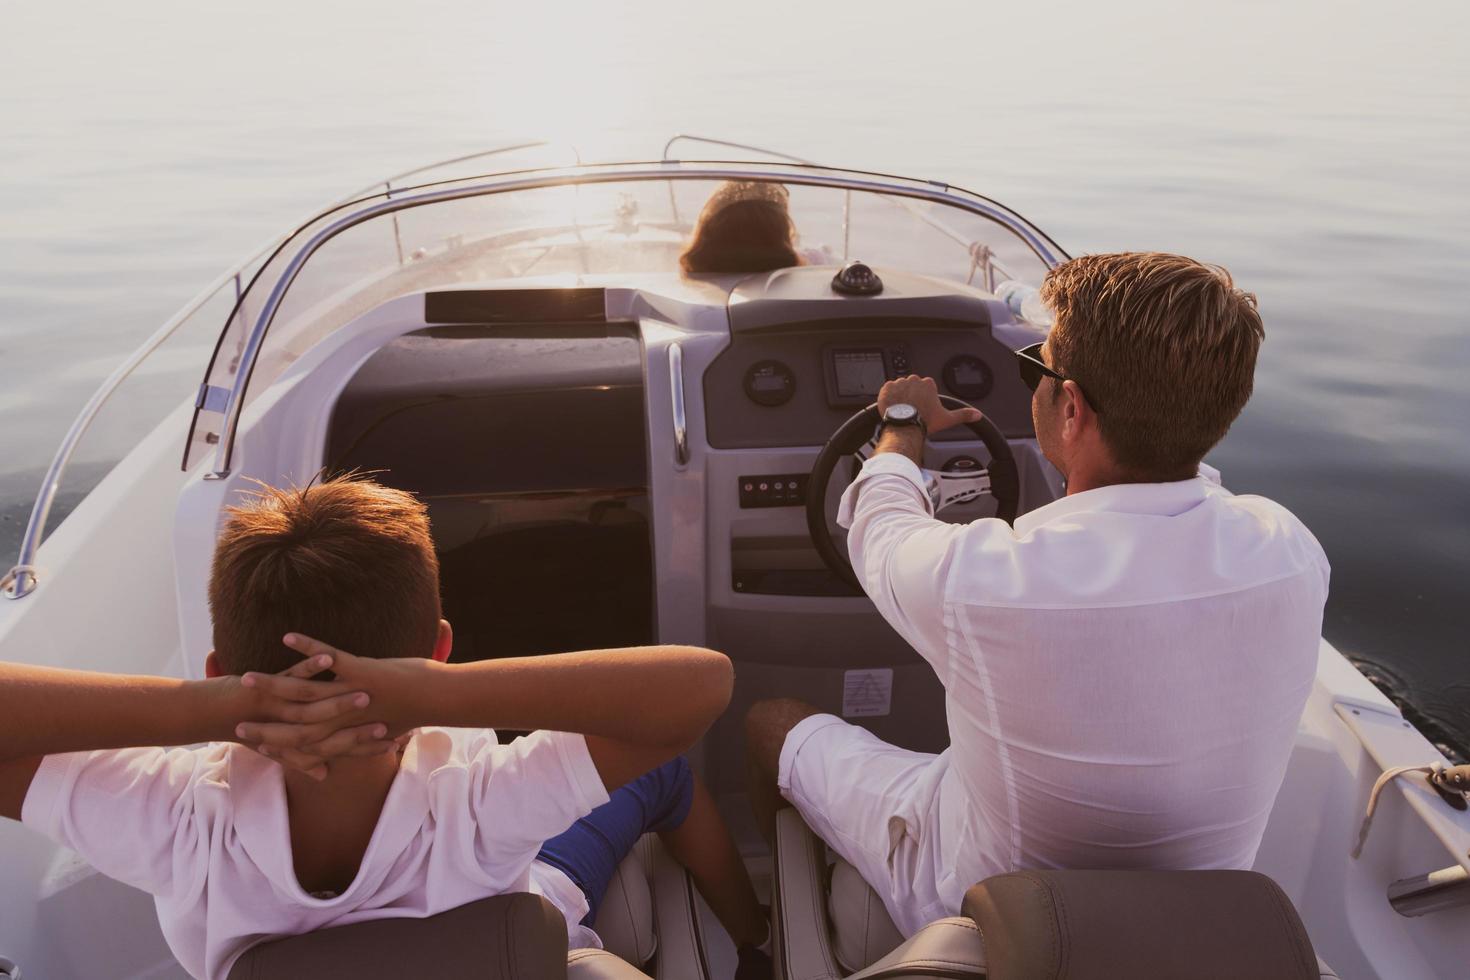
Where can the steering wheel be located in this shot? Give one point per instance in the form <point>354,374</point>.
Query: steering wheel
<point>999,479</point>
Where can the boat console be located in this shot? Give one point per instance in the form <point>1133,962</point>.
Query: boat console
<point>803,358</point>
<point>521,417</point>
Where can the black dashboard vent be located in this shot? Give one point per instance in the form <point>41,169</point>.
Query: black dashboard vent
<point>580,304</point>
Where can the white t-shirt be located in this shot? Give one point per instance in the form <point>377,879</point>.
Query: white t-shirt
<point>206,832</point>
<point>1124,671</point>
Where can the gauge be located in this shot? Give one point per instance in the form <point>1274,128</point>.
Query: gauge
<point>769,383</point>
<point>968,377</point>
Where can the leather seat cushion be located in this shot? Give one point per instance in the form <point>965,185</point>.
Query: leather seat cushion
<point>949,948</point>
<point>1092,925</point>
<point>599,964</point>
<point>862,930</point>
<point>625,917</point>
<point>507,937</point>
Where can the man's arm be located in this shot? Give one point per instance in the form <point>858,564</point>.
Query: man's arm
<point>899,550</point>
<point>637,707</point>
<point>905,440</point>
<point>46,711</point>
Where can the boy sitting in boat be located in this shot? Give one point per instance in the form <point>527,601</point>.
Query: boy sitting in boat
<point>372,814</point>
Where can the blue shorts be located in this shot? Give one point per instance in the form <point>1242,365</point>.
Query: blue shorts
<point>590,851</point>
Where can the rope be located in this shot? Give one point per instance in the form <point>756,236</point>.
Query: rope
<point>1438,774</point>
<point>980,253</point>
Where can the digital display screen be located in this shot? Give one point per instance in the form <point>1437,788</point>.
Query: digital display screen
<point>859,373</point>
<point>768,382</point>
<point>970,372</point>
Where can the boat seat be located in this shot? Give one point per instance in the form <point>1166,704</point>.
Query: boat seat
<point>625,918</point>
<point>651,917</point>
<point>646,917</point>
<point>1024,925</point>
<point>506,937</point>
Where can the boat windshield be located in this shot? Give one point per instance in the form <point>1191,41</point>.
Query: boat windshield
<point>585,225</point>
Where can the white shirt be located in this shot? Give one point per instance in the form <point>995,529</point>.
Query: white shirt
<point>1124,671</point>
<point>205,831</point>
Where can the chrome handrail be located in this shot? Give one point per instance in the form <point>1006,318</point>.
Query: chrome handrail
<point>990,262</point>
<point>849,180</point>
<point>21,579</point>
<point>676,397</point>
<point>734,146</point>
<point>471,156</point>
<point>395,178</point>
<point>674,203</point>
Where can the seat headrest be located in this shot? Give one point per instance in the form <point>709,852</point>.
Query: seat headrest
<point>508,937</point>
<point>1102,925</point>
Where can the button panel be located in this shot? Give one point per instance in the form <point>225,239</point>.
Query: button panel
<point>773,490</point>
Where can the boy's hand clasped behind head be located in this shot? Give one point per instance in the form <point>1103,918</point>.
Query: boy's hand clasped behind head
<point>304,723</point>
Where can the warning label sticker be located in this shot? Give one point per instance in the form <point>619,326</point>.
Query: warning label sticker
<point>866,693</point>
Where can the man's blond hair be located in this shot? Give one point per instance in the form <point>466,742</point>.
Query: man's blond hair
<point>1165,349</point>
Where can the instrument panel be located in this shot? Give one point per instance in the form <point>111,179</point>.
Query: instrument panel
<point>795,386</point>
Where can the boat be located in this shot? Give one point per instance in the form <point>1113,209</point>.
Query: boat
<point>509,336</point>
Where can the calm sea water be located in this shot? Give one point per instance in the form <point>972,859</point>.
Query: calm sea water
<point>1319,150</point>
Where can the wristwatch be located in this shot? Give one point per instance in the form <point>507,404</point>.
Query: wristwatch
<point>900,415</point>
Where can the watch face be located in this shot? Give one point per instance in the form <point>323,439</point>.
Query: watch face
<point>901,413</point>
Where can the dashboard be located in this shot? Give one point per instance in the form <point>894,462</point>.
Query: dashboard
<point>801,361</point>
<point>543,429</point>
<point>794,388</point>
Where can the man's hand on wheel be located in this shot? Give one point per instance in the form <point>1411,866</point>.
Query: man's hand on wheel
<point>923,394</point>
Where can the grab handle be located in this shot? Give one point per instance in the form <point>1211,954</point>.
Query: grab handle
<point>676,394</point>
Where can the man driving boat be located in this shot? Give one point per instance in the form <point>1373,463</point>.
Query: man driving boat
<point>1125,668</point>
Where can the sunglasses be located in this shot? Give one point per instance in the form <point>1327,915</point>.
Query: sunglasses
<point>1033,369</point>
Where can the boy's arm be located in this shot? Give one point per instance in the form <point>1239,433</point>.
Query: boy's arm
<point>45,711</point>
<point>637,707</point>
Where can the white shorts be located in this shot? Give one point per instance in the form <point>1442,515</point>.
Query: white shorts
<point>868,800</point>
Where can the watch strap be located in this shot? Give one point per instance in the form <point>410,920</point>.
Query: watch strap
<point>917,422</point>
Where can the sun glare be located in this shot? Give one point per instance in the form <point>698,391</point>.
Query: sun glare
<point>575,88</point>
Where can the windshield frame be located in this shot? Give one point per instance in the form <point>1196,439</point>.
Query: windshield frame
<point>230,402</point>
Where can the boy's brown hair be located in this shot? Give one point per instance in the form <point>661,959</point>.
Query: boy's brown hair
<point>348,562</point>
<point>1165,349</point>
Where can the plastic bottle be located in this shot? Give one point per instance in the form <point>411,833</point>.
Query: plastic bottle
<point>1025,303</point>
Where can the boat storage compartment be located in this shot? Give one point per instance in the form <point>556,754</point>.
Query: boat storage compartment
<point>528,444</point>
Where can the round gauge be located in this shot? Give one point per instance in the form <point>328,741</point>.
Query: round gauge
<point>769,383</point>
<point>968,377</point>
